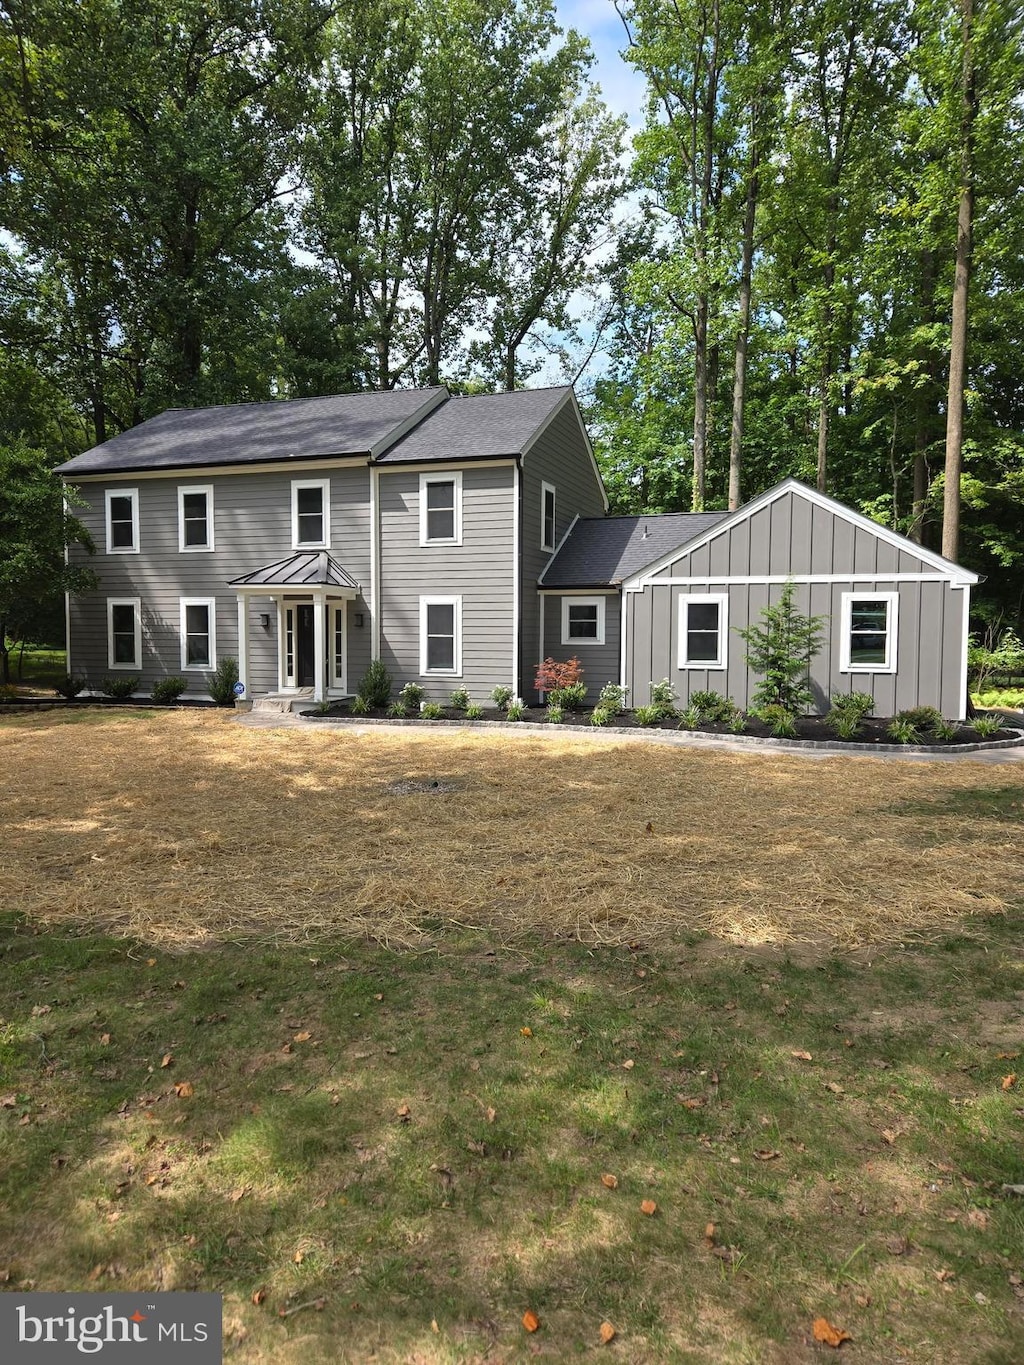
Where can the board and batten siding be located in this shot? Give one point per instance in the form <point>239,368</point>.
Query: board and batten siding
<point>560,457</point>
<point>252,528</point>
<point>480,571</point>
<point>600,663</point>
<point>794,538</point>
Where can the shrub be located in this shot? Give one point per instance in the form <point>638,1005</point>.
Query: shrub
<point>359,706</point>
<point>663,696</point>
<point>903,731</point>
<point>738,723</point>
<point>984,726</point>
<point>921,717</point>
<point>713,706</point>
<point>946,729</point>
<point>70,687</point>
<point>779,720</point>
<point>411,696</point>
<point>571,697</point>
<point>601,716</point>
<point>168,690</point>
<point>781,648</point>
<point>1010,698</point>
<point>501,696</point>
<point>613,698</point>
<point>432,710</point>
<point>553,676</point>
<point>844,724</point>
<point>556,713</point>
<point>121,686</point>
<point>515,710</point>
<point>474,711</point>
<point>375,685</point>
<point>221,682</point>
<point>989,658</point>
<point>398,710</point>
<point>859,705</point>
<point>460,699</point>
<point>689,718</point>
<point>647,715</point>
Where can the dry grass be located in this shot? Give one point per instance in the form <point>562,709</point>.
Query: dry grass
<point>187,828</point>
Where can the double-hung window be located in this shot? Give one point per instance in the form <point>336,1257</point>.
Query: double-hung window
<point>122,507</point>
<point>547,517</point>
<point>441,509</point>
<point>583,620</point>
<point>195,517</point>
<point>703,631</point>
<point>441,635</point>
<point>869,625</point>
<point>198,633</point>
<point>124,632</point>
<point>311,514</point>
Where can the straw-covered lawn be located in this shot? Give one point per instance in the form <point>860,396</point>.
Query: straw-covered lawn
<point>186,827</point>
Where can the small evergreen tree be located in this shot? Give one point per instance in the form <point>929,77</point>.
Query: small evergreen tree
<point>781,648</point>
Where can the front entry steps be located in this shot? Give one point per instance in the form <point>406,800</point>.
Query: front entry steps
<point>284,702</point>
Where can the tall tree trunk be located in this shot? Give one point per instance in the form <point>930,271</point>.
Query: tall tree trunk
<point>827,365</point>
<point>739,382</point>
<point>961,290</point>
<point>923,405</point>
<point>700,404</point>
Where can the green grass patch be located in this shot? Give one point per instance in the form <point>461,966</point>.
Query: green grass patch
<point>38,669</point>
<point>416,1143</point>
<point>1005,698</point>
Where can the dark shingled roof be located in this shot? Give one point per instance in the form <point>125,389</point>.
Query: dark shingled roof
<point>309,569</point>
<point>243,433</point>
<point>601,551</point>
<point>482,426</point>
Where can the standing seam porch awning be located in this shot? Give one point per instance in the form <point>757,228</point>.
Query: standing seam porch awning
<point>313,569</point>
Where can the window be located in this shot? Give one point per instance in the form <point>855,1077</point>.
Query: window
<point>198,632</point>
<point>338,649</point>
<point>547,517</point>
<point>703,631</point>
<point>441,509</point>
<point>311,513</point>
<point>195,517</point>
<point>583,620</point>
<point>124,632</point>
<point>441,635</point>
<point>869,622</point>
<point>122,521</point>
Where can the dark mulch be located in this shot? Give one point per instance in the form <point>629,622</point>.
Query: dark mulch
<point>808,728</point>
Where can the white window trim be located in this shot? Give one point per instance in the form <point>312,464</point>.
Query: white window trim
<point>455,602</point>
<point>325,487</point>
<point>545,489</point>
<point>136,605</point>
<point>891,635</point>
<point>133,548</point>
<point>703,599</point>
<point>210,603</point>
<point>207,489</point>
<point>599,603</point>
<point>452,476</point>
<point>337,681</point>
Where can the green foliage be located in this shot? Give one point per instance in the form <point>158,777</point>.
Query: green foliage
<point>781,649</point>
<point>779,719</point>
<point>946,729</point>
<point>555,713</point>
<point>738,723</point>
<point>412,695</point>
<point>167,690</point>
<point>572,697</point>
<point>857,705</point>
<point>120,686</point>
<point>359,706</point>
<point>432,710</point>
<point>1003,659</point>
<point>613,698</point>
<point>375,686</point>
<point>221,682</point>
<point>903,730</point>
<point>921,717</point>
<point>1008,699</point>
<point>713,706</point>
<point>986,726</point>
<point>502,696</point>
<point>690,718</point>
<point>70,687</point>
<point>663,698</point>
<point>601,715</point>
<point>844,724</point>
<point>398,710</point>
<point>474,711</point>
<point>647,715</point>
<point>460,699</point>
<point>515,710</point>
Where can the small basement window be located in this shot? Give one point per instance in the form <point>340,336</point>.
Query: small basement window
<point>583,620</point>
<point>703,631</point>
<point>869,625</point>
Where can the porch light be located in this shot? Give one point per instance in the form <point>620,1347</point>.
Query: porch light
<point>265,620</point>
<point>358,618</point>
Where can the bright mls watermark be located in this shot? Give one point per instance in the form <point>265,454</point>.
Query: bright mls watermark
<point>53,1329</point>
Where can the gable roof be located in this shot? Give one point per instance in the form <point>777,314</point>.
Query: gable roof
<point>946,567</point>
<point>479,427</point>
<point>601,551</point>
<point>249,433</point>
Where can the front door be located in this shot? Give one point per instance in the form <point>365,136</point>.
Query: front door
<point>305,652</point>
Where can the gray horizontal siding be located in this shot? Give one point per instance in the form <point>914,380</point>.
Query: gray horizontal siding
<point>480,571</point>
<point>601,663</point>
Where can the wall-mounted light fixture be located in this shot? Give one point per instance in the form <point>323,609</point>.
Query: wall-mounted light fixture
<point>358,618</point>
<point>265,620</point>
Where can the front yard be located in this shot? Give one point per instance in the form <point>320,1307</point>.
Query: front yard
<point>389,1038</point>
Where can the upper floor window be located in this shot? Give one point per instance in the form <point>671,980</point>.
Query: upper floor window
<point>703,631</point>
<point>583,620</point>
<point>441,509</point>
<point>547,517</point>
<point>124,632</point>
<point>868,642</point>
<point>122,521</point>
<point>195,517</point>
<point>311,513</point>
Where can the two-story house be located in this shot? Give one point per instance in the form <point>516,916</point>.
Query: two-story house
<point>462,540</point>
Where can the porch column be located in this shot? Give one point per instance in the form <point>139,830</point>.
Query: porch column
<point>243,642</point>
<point>319,645</point>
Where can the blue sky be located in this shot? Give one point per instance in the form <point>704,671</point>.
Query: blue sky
<point>622,87</point>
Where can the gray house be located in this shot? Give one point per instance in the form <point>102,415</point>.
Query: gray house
<point>462,540</point>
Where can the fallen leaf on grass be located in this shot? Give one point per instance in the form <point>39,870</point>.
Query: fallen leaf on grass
<point>38,1010</point>
<point>492,1114</point>
<point>184,1090</point>
<point>404,1113</point>
<point>150,961</point>
<point>104,1040</point>
<point>649,1207</point>
<point>709,1234</point>
<point>691,1101</point>
<point>863,1300</point>
<point>610,1182</point>
<point>1007,1056</point>
<point>239,1193</point>
<point>943,1275</point>
<point>628,1065</point>
<point>835,1088</point>
<point>897,1245</point>
<point>8,1101</point>
<point>767,1154</point>
<point>829,1335</point>
<point>531,1321</point>
<point>527,1032</point>
<point>167,1059</point>
<point>302,1037</point>
<point>258,1295</point>
<point>889,1136</point>
<point>607,1332</point>
<point>977,1218</point>
<point>802,1056</point>
<point>1008,1082</point>
<point>299,1257</point>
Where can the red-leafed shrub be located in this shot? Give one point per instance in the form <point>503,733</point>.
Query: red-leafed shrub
<point>553,676</point>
